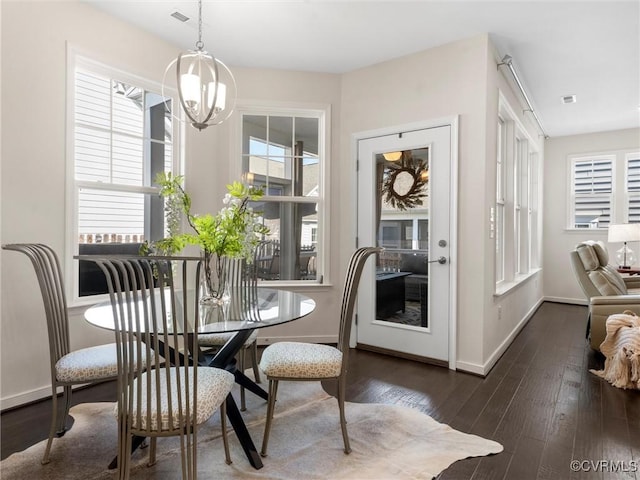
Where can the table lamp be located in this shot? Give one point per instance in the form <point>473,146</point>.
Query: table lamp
<point>626,232</point>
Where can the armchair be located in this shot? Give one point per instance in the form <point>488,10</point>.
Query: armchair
<point>607,291</point>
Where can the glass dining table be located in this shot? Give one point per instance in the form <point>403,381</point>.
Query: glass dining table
<point>267,307</point>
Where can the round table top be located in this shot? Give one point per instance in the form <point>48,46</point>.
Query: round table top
<point>271,307</point>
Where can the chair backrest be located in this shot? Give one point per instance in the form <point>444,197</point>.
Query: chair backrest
<point>349,295</point>
<point>154,301</point>
<point>590,263</point>
<point>242,284</point>
<point>49,274</point>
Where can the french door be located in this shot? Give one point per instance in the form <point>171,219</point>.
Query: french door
<point>404,206</point>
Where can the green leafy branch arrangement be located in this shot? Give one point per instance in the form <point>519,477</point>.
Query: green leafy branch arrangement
<point>233,232</point>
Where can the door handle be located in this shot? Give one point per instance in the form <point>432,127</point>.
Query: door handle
<point>440,260</point>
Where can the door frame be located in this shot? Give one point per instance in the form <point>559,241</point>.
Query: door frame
<point>451,122</point>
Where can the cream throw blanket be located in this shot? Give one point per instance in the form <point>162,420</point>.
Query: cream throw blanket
<point>621,349</point>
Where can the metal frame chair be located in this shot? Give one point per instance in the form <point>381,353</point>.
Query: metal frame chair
<point>156,316</point>
<point>297,361</point>
<point>215,341</point>
<point>68,368</point>
<point>241,277</point>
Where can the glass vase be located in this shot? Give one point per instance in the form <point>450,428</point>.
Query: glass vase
<point>214,288</point>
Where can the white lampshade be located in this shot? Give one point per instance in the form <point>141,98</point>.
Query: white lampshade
<point>624,232</point>
<point>220,98</point>
<point>191,93</point>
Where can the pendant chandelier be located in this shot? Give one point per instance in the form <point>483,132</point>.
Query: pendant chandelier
<point>206,87</point>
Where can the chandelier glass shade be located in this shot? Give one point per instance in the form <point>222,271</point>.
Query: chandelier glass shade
<point>206,87</point>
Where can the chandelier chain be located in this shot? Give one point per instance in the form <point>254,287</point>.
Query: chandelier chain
<point>200,43</point>
<point>205,86</point>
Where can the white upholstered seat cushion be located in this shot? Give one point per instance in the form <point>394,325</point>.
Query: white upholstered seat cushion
<point>88,364</point>
<point>214,384</point>
<point>219,339</point>
<point>301,360</point>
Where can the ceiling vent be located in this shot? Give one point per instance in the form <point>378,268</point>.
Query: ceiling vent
<point>569,99</point>
<point>179,16</point>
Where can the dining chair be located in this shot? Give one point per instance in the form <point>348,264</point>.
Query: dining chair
<point>155,306</point>
<point>242,279</point>
<point>215,341</point>
<point>85,366</point>
<point>315,362</point>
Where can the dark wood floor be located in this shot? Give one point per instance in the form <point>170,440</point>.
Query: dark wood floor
<point>539,401</point>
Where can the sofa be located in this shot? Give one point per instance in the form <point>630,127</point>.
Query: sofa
<point>606,290</point>
<point>416,263</point>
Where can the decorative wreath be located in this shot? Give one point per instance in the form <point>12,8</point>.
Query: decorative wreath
<point>414,195</point>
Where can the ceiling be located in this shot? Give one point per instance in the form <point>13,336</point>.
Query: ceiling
<point>590,49</point>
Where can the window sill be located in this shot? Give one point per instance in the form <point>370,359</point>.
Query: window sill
<point>294,285</point>
<point>586,230</point>
<point>506,287</point>
<point>82,303</point>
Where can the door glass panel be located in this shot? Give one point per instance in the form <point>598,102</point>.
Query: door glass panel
<point>402,274</point>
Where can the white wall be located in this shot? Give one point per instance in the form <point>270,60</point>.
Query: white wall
<point>502,316</point>
<point>441,82</point>
<point>258,87</point>
<point>33,163</point>
<point>559,281</point>
<point>33,166</point>
<point>460,78</point>
<point>455,79</point>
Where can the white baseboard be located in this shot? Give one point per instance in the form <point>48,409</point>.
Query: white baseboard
<point>470,368</point>
<point>495,356</point>
<point>25,397</point>
<point>572,301</point>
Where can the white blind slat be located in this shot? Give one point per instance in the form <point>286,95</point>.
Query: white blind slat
<point>110,148</point>
<point>593,187</point>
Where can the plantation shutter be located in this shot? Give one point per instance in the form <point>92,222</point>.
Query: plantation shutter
<point>633,188</point>
<point>592,192</point>
<point>109,150</point>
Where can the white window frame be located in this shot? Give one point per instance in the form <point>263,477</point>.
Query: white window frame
<point>605,197</point>
<point>500,208</point>
<point>516,207</point>
<point>535,240</point>
<point>323,113</point>
<point>80,60</point>
<point>522,179</point>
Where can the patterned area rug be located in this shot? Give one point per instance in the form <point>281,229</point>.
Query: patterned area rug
<point>388,442</point>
